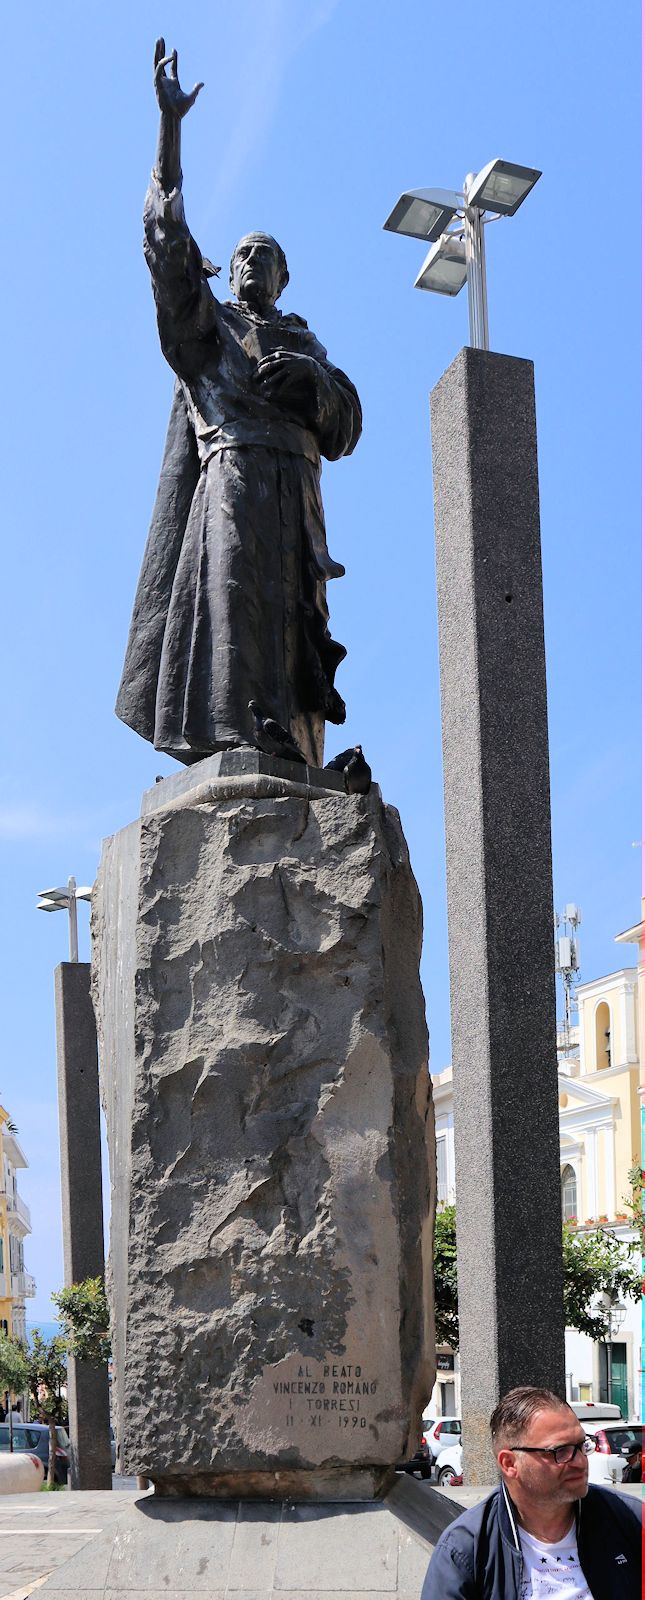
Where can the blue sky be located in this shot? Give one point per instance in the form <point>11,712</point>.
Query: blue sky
<point>314,117</point>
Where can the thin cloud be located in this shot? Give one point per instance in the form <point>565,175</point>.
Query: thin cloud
<point>27,822</point>
<point>24,824</point>
<point>279,30</point>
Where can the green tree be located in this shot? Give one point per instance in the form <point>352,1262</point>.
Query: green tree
<point>594,1264</point>
<point>635,1202</point>
<point>85,1320</point>
<point>46,1379</point>
<point>14,1372</point>
<point>445,1278</point>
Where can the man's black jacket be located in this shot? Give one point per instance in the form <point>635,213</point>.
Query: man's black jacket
<point>479,1556</point>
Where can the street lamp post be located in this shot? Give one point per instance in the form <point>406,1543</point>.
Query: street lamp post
<point>497,823</point>
<point>81,1188</point>
<point>476,268</point>
<point>458,254</point>
<point>66,900</point>
<point>616,1313</point>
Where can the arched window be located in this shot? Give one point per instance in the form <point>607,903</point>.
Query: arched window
<point>603,1036</point>
<point>569,1194</point>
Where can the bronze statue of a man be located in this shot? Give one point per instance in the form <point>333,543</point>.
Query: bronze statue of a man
<point>231,602</point>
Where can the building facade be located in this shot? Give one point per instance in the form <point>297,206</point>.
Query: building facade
<point>16,1285</point>
<point>601,1106</point>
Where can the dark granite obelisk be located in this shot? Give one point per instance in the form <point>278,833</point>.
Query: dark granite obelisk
<point>500,898</point>
<point>83,1252</point>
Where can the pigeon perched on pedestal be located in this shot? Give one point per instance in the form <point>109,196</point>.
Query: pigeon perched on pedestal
<point>271,737</point>
<point>357,775</point>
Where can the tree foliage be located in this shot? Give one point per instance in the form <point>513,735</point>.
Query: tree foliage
<point>635,1203</point>
<point>595,1264</point>
<point>14,1367</point>
<point>85,1320</point>
<point>445,1278</point>
<point>46,1380</point>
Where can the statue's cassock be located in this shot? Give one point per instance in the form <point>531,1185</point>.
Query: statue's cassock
<point>231,602</point>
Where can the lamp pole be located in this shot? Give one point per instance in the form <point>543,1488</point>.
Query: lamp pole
<point>73,920</point>
<point>66,900</point>
<point>476,270</point>
<point>610,1387</point>
<point>81,1192</point>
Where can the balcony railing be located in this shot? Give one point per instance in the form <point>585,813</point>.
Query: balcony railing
<point>23,1285</point>
<point>20,1209</point>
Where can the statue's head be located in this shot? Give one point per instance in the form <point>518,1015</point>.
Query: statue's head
<point>259,270</point>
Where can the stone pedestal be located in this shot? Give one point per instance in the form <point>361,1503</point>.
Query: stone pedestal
<point>263,1051</point>
<point>177,1550</point>
<point>500,891</point>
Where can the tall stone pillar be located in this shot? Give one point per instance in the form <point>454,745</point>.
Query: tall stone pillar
<point>500,896</point>
<point>82,1204</point>
<point>263,1049</point>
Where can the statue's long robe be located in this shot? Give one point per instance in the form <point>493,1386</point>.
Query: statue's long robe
<point>231,603</point>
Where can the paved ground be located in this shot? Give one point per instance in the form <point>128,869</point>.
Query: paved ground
<point>38,1532</point>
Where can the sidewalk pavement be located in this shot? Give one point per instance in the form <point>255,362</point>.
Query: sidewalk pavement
<point>38,1532</point>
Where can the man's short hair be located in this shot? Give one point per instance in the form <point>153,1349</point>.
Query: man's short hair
<point>264,238</point>
<point>515,1410</point>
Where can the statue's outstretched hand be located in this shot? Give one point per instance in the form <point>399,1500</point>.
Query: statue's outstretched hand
<point>168,90</point>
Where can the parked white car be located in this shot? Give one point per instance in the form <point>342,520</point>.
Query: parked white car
<point>21,1473</point>
<point>615,1442</point>
<point>449,1466</point>
<point>441,1432</point>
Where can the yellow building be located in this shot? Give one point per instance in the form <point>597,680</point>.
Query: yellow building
<point>600,1099</point>
<point>16,1285</point>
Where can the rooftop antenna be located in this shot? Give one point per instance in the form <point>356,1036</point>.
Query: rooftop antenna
<point>567,964</point>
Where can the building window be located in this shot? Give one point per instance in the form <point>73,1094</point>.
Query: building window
<point>603,1036</point>
<point>569,1194</point>
<point>442,1171</point>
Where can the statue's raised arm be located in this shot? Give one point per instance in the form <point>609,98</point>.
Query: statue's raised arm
<point>173,105</point>
<point>185,306</point>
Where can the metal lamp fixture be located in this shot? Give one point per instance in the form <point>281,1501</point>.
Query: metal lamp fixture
<point>66,900</point>
<point>445,268</point>
<point>501,187</point>
<point>423,213</point>
<point>458,256</point>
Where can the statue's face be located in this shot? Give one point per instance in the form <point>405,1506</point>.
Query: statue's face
<point>257,273</point>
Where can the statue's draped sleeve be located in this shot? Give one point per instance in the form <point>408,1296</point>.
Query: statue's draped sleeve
<point>186,306</point>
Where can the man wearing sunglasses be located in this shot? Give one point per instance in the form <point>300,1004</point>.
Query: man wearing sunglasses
<point>545,1534</point>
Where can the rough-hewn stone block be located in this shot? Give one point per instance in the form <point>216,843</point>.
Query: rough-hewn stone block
<point>264,1060</point>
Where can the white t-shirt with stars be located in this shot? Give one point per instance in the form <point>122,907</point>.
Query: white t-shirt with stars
<point>552,1571</point>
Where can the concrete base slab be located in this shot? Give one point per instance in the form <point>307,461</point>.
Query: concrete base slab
<point>180,1549</point>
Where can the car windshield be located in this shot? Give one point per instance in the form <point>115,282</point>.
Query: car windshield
<point>622,1441</point>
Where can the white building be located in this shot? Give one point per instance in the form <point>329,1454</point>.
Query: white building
<point>600,1139</point>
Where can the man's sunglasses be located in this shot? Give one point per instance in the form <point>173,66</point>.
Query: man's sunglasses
<point>562,1453</point>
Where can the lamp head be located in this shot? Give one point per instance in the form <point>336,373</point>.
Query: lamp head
<point>501,186</point>
<point>424,213</point>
